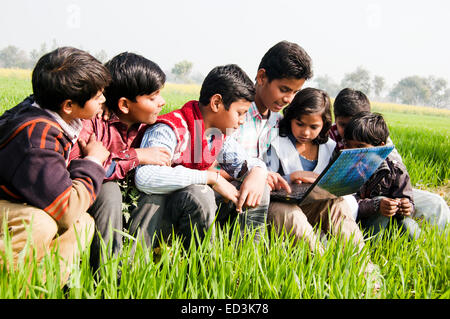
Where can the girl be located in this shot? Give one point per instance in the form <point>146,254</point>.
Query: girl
<point>299,154</point>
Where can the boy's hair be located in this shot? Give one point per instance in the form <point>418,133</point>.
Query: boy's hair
<point>286,60</point>
<point>67,73</point>
<point>132,75</point>
<point>350,102</point>
<point>308,101</point>
<point>367,127</point>
<point>231,82</point>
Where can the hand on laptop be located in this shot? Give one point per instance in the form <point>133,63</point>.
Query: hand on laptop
<point>277,182</point>
<point>303,177</point>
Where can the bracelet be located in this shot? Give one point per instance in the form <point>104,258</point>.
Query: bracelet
<point>217,179</point>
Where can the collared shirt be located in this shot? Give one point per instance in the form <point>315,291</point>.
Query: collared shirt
<point>256,134</point>
<point>72,129</point>
<point>118,140</point>
<point>334,135</point>
<point>155,179</point>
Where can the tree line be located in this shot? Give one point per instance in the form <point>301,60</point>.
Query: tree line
<point>413,90</point>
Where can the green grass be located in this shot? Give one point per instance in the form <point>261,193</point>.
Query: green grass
<point>423,141</point>
<point>237,268</point>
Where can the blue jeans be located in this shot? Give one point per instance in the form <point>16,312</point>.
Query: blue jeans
<point>251,219</point>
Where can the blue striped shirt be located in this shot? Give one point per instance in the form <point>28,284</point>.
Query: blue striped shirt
<point>155,179</point>
<point>256,134</point>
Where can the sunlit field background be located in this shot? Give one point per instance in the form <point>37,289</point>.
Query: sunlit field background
<point>227,267</point>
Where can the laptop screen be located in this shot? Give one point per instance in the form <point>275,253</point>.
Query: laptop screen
<point>352,168</point>
<point>344,175</point>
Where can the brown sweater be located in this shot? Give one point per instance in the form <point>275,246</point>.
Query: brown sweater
<point>33,154</point>
<point>391,180</point>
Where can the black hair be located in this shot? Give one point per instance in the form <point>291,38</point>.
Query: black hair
<point>67,73</point>
<point>350,102</point>
<point>231,82</point>
<point>132,75</point>
<point>308,101</point>
<point>367,127</point>
<point>286,60</point>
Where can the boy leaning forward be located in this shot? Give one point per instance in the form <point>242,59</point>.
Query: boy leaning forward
<point>188,193</point>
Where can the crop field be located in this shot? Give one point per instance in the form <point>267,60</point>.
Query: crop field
<point>226,266</point>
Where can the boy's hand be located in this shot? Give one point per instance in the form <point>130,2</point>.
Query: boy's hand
<point>153,155</point>
<point>405,207</point>
<point>276,182</point>
<point>303,177</point>
<point>252,189</point>
<point>389,206</point>
<point>94,148</point>
<point>222,186</point>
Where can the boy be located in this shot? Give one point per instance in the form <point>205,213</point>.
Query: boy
<point>388,192</point>
<point>179,195</point>
<point>347,104</point>
<point>134,100</point>
<point>281,74</point>
<point>350,102</point>
<point>37,188</point>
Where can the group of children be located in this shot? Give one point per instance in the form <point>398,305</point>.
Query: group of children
<point>212,161</point>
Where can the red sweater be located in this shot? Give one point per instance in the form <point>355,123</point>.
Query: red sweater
<point>118,140</point>
<point>192,149</point>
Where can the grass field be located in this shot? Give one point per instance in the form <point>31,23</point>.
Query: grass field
<point>228,267</point>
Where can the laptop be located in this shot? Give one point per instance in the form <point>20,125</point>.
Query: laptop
<point>344,175</point>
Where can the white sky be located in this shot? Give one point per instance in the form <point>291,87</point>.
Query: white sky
<point>390,38</point>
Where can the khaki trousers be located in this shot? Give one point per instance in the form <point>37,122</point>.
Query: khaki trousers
<point>334,216</point>
<point>33,231</point>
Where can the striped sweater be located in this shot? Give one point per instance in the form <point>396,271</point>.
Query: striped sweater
<point>34,150</point>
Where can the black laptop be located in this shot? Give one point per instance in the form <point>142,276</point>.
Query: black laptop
<point>344,175</point>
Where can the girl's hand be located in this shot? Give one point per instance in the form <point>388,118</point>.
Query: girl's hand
<point>276,182</point>
<point>303,177</point>
<point>94,149</point>
<point>154,156</point>
<point>388,206</point>
<point>222,186</point>
<point>405,207</point>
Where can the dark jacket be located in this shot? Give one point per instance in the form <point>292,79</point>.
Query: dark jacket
<point>33,155</point>
<point>391,180</point>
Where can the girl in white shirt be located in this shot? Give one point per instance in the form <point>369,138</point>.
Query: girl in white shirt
<point>300,154</point>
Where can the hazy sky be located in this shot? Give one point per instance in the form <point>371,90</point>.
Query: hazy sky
<point>390,38</point>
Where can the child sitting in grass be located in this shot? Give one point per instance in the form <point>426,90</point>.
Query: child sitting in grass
<point>187,194</point>
<point>388,193</point>
<point>38,189</point>
<point>301,153</point>
<point>133,99</point>
<point>347,104</point>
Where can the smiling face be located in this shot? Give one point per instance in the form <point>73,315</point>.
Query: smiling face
<point>307,128</point>
<point>276,94</point>
<point>146,108</point>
